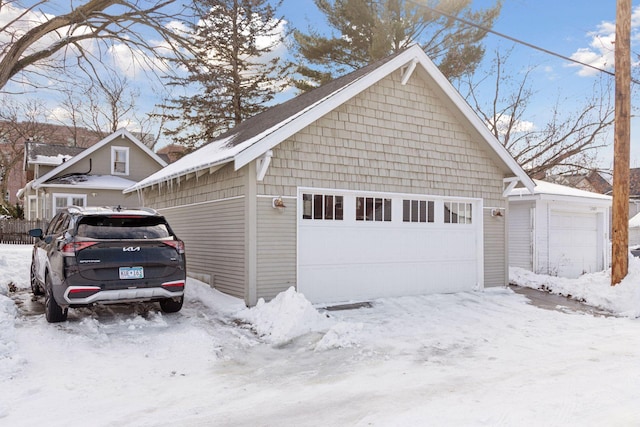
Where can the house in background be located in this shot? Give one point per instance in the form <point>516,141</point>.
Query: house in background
<point>95,176</point>
<point>14,136</point>
<point>383,182</point>
<point>172,152</point>
<point>559,230</point>
<point>592,181</point>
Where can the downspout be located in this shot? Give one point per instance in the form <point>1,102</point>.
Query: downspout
<point>250,236</point>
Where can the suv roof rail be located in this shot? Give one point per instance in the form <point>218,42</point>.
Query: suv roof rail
<point>98,209</point>
<point>75,208</point>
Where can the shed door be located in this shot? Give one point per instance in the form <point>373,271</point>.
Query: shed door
<point>355,247</point>
<point>573,243</point>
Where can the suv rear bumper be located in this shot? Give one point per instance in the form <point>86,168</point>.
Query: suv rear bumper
<point>84,295</point>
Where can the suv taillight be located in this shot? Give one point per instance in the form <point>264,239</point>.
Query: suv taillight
<point>70,249</point>
<point>178,245</point>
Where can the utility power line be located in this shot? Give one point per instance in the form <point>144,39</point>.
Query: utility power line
<point>515,40</point>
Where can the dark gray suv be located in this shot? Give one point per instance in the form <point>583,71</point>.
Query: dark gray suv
<point>106,256</point>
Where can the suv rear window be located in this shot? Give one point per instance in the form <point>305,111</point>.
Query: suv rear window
<point>123,227</point>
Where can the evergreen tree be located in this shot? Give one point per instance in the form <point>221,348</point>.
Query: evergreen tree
<point>368,30</point>
<point>232,78</point>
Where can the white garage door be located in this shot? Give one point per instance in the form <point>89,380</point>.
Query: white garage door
<point>360,246</point>
<point>573,243</point>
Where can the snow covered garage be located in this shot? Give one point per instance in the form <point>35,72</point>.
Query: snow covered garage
<point>380,183</point>
<point>558,230</point>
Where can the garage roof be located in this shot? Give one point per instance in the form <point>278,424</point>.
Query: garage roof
<point>257,135</point>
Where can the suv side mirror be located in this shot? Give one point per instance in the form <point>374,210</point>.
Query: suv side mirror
<point>36,232</point>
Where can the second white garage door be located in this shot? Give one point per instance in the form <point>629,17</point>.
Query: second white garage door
<point>359,246</point>
<point>573,244</point>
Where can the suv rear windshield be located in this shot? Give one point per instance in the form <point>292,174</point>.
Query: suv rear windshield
<point>123,227</point>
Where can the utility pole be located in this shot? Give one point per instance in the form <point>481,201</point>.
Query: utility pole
<point>622,142</point>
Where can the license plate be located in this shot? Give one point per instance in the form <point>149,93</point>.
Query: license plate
<point>131,273</point>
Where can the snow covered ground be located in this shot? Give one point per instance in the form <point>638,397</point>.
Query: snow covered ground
<point>482,358</point>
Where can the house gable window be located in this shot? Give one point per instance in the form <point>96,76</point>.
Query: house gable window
<point>120,160</point>
<point>61,201</point>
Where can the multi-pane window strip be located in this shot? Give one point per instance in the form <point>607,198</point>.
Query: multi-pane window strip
<point>322,206</point>
<point>373,209</point>
<point>418,211</point>
<point>457,213</point>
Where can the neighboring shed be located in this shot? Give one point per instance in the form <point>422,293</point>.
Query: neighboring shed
<point>634,231</point>
<point>383,182</point>
<point>558,230</point>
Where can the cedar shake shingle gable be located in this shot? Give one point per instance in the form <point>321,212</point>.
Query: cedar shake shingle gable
<point>254,138</point>
<point>269,118</point>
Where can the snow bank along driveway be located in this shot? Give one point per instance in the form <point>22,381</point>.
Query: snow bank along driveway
<point>485,358</point>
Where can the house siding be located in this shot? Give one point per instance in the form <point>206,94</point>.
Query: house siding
<point>222,184</point>
<point>495,250</point>
<point>276,247</point>
<point>208,213</point>
<point>215,249</point>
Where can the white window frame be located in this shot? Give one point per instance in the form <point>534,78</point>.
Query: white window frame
<point>69,197</point>
<point>32,207</point>
<point>114,152</point>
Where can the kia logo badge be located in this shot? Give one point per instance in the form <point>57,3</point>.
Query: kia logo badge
<point>131,249</point>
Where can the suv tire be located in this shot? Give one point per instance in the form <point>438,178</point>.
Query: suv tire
<point>170,305</point>
<point>52,311</point>
<point>35,286</point>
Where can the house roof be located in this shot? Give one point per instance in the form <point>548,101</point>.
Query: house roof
<point>49,154</point>
<point>550,191</point>
<point>634,183</point>
<point>592,179</point>
<point>87,152</point>
<point>106,182</point>
<point>257,135</point>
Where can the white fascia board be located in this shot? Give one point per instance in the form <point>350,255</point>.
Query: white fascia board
<point>303,119</point>
<point>595,201</point>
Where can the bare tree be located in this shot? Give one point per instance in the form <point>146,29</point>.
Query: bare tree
<point>567,143</point>
<point>19,122</point>
<point>35,41</point>
<point>105,105</point>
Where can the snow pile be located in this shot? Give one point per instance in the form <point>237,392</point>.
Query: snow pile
<point>341,335</point>
<point>8,347</point>
<point>594,288</point>
<point>286,317</point>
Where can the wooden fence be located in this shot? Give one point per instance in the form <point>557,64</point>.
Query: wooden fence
<point>16,230</point>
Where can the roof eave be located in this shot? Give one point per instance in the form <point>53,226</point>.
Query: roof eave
<point>141,185</point>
